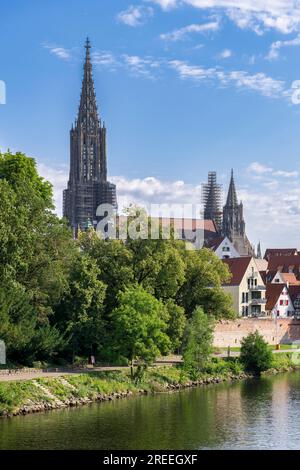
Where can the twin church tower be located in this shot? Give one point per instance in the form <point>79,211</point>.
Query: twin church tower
<point>88,186</point>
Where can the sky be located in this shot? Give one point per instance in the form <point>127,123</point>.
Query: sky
<point>184,87</point>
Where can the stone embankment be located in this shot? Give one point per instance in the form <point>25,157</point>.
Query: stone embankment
<point>48,400</point>
<point>208,381</point>
<point>31,407</point>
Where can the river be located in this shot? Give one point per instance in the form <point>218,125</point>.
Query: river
<point>252,414</point>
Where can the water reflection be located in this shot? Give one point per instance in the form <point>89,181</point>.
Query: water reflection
<point>259,414</point>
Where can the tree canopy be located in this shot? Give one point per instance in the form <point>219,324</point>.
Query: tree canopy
<point>61,297</point>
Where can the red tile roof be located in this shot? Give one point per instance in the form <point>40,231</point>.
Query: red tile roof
<point>214,243</point>
<point>280,252</point>
<point>238,267</point>
<point>263,276</point>
<point>283,263</point>
<point>180,223</point>
<point>294,291</point>
<point>290,278</point>
<point>273,293</point>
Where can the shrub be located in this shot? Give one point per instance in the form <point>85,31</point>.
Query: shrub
<point>256,354</point>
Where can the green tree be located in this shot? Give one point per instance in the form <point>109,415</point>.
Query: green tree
<point>198,342</point>
<point>204,275</point>
<point>256,355</point>
<point>80,311</point>
<point>115,260</point>
<point>157,264</point>
<point>140,324</point>
<point>36,252</point>
<point>17,318</point>
<point>176,324</point>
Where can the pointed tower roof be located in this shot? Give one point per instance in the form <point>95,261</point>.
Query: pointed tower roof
<point>88,104</point>
<point>258,254</point>
<point>232,199</point>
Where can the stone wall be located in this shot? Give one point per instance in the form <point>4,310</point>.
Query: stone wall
<point>230,333</point>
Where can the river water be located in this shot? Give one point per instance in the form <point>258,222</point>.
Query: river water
<point>252,414</point>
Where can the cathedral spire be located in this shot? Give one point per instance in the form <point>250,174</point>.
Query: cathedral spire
<point>233,225</point>
<point>88,47</point>
<point>232,199</point>
<point>88,113</point>
<point>87,186</point>
<point>259,254</point>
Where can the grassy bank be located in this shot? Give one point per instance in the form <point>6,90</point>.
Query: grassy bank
<point>22,397</point>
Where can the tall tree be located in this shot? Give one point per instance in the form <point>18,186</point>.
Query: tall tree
<point>199,338</point>
<point>140,325</point>
<point>204,275</point>
<point>36,248</point>
<point>80,312</point>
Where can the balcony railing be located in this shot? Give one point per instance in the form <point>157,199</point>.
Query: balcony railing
<point>258,288</point>
<point>258,301</point>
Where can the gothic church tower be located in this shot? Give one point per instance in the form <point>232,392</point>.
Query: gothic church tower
<point>87,186</point>
<point>234,223</point>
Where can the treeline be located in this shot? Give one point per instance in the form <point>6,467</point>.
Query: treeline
<point>61,299</point>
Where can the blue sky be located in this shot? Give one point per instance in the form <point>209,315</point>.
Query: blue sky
<point>184,86</point>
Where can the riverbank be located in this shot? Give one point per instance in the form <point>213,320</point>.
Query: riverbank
<point>43,394</point>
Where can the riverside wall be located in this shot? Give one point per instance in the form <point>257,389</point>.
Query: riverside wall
<point>275,331</point>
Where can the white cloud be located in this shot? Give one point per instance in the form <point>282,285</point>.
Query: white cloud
<point>271,210</point>
<point>260,170</point>
<point>58,177</point>
<point>166,4</point>
<point>259,82</point>
<point>150,68</point>
<point>141,66</point>
<point>272,214</point>
<point>135,15</point>
<point>104,58</point>
<point>225,54</point>
<point>181,33</point>
<point>277,45</point>
<point>60,52</point>
<point>258,15</point>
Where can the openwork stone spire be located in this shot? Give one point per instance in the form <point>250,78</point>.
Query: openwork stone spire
<point>88,186</point>
<point>232,199</point>
<point>88,113</point>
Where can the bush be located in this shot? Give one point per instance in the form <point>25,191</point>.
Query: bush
<point>224,366</point>
<point>256,354</point>
<point>80,361</point>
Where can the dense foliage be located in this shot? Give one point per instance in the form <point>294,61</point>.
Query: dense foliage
<point>60,298</point>
<point>198,345</point>
<point>256,355</point>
